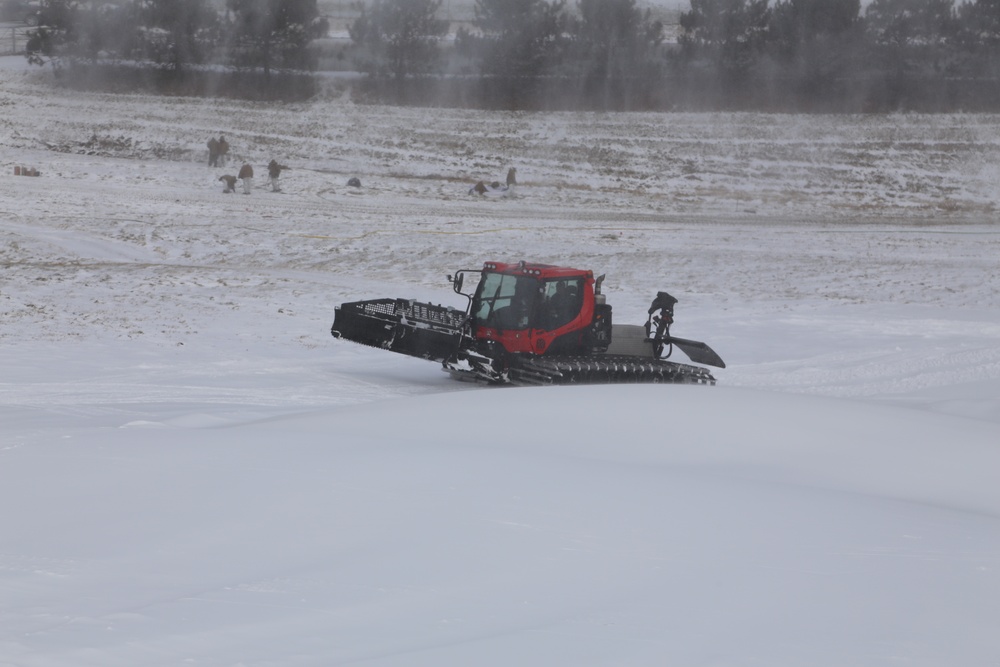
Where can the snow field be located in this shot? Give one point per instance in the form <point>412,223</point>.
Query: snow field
<point>192,471</point>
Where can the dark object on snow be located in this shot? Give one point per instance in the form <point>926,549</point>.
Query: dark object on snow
<point>494,189</point>
<point>230,183</point>
<point>222,153</point>
<point>246,175</point>
<point>354,182</point>
<point>218,149</point>
<point>511,177</point>
<point>274,170</point>
<point>213,152</point>
<point>530,324</point>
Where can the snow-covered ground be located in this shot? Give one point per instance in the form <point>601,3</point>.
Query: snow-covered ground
<point>194,472</point>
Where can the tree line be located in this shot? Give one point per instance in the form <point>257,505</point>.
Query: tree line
<point>801,55</point>
<point>178,42</point>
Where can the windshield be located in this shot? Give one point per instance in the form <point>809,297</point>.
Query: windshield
<point>505,302</point>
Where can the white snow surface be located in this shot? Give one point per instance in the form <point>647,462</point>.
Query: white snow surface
<point>194,472</point>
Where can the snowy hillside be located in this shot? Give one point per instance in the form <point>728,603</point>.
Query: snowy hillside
<point>194,472</point>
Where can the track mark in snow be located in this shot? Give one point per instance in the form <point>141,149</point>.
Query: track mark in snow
<point>871,373</point>
<point>40,565</point>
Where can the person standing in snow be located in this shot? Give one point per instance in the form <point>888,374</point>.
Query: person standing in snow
<point>246,175</point>
<point>213,152</point>
<point>223,152</point>
<point>273,173</point>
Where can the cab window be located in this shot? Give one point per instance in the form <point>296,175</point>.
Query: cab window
<point>562,301</point>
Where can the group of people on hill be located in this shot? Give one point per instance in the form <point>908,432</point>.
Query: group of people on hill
<point>245,176</point>
<point>218,152</point>
<point>484,188</point>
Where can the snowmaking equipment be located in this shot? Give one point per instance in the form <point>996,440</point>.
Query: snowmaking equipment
<point>530,324</point>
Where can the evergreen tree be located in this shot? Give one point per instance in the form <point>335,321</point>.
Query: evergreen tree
<point>725,35</point>
<point>399,37</point>
<point>615,51</point>
<point>817,40</point>
<point>520,39</point>
<point>273,34</point>
<point>176,32</point>
<point>911,35</point>
<point>980,20</point>
<point>979,37</point>
<point>71,31</point>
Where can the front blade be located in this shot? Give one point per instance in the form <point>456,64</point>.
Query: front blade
<point>698,352</point>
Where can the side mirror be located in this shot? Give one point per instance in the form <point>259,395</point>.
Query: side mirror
<point>456,281</point>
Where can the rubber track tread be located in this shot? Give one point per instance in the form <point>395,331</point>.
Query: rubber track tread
<point>604,369</point>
